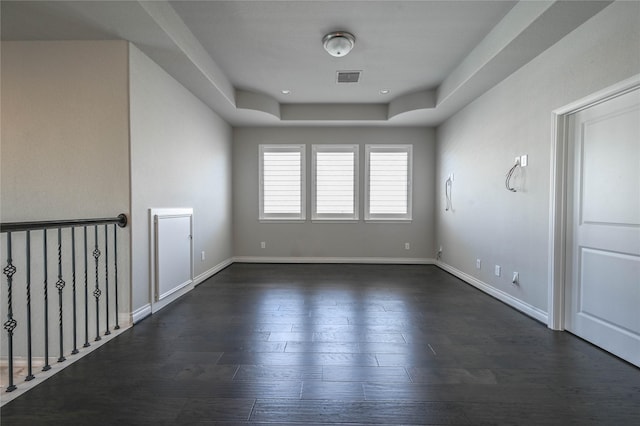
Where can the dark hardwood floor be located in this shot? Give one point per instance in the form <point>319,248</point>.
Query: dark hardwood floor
<point>337,344</point>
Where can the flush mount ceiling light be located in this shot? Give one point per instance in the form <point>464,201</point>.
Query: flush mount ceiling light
<point>338,43</point>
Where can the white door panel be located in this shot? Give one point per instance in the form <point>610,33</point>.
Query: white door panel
<point>603,246</point>
<point>616,238</point>
<point>616,302</point>
<point>610,184</point>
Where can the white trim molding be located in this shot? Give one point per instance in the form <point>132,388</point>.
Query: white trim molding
<point>145,311</point>
<point>174,296</point>
<point>141,313</point>
<point>506,298</point>
<point>211,272</point>
<point>369,150</point>
<point>286,149</point>
<point>558,195</point>
<point>160,299</point>
<point>362,260</point>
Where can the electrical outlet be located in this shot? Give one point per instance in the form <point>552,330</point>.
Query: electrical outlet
<point>202,256</point>
<point>478,264</point>
<point>516,279</point>
<point>263,244</point>
<point>524,160</point>
<point>407,246</point>
<point>498,270</point>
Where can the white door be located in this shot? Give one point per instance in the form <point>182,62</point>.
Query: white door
<point>602,292</point>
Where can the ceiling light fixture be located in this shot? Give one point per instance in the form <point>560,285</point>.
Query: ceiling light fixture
<point>285,91</point>
<point>338,43</point>
<point>384,91</point>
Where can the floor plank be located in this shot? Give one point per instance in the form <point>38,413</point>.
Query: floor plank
<point>337,344</point>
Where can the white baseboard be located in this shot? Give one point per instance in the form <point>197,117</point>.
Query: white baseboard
<point>363,260</point>
<point>141,313</point>
<point>211,272</point>
<point>146,310</point>
<point>506,298</point>
<point>166,301</point>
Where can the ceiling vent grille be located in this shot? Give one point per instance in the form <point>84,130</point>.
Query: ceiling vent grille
<point>348,76</point>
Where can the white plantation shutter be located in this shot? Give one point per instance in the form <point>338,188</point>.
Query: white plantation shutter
<point>282,182</point>
<point>335,182</point>
<point>388,182</point>
<point>282,192</point>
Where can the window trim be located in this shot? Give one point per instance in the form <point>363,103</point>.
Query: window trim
<point>379,217</point>
<point>280,217</point>
<point>333,217</point>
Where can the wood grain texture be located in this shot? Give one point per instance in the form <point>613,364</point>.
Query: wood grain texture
<point>337,344</point>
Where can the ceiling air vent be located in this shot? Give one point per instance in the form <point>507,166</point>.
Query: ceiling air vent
<point>348,76</point>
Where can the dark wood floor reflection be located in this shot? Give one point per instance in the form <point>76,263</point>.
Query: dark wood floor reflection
<point>337,344</point>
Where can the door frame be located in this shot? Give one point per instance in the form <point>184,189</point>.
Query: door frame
<point>558,263</point>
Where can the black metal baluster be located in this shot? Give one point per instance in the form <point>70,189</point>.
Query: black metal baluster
<point>86,294</point>
<point>46,305</point>
<point>97,292</point>
<point>106,277</point>
<point>73,289</point>
<point>10,324</point>
<point>115,269</point>
<point>30,375</point>
<point>60,285</point>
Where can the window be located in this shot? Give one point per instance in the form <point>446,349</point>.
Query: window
<point>388,171</point>
<point>334,182</point>
<point>282,182</point>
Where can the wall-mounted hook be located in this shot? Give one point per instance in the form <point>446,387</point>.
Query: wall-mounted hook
<point>447,192</point>
<point>507,182</point>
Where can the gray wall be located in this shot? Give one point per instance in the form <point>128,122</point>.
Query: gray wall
<point>64,155</point>
<point>180,157</point>
<point>344,240</point>
<point>65,130</point>
<point>479,144</point>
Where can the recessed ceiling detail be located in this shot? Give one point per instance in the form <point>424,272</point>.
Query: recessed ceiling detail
<point>434,56</point>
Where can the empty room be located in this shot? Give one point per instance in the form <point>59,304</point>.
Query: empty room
<point>320,212</point>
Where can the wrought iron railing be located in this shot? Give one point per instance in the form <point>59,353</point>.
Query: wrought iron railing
<point>28,320</point>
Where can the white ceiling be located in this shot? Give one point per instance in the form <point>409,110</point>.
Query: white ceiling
<point>237,56</point>
<point>402,46</point>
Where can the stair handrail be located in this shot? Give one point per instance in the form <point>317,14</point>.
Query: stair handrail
<point>121,221</point>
